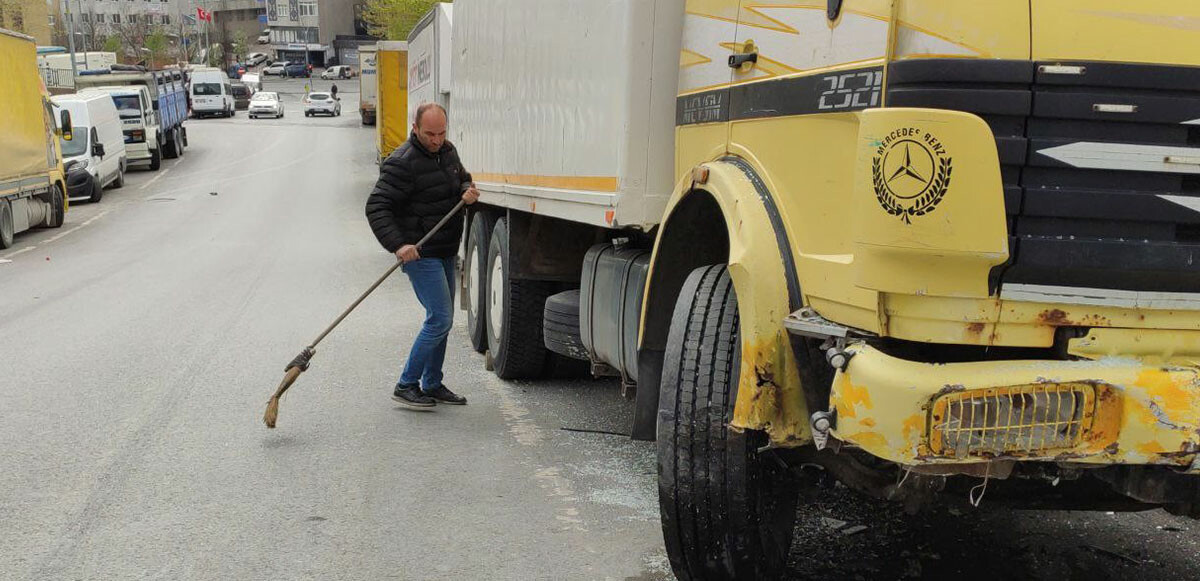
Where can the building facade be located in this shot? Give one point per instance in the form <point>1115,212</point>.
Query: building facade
<point>238,20</point>
<point>304,30</point>
<point>123,26</point>
<point>28,17</point>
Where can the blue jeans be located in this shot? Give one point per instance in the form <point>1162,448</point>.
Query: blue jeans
<point>433,282</point>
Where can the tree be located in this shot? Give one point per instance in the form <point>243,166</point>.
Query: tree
<point>156,43</point>
<point>112,44</point>
<point>239,44</point>
<point>394,19</point>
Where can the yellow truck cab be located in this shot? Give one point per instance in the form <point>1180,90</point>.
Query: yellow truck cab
<point>924,244</point>
<point>987,219</point>
<point>32,184</point>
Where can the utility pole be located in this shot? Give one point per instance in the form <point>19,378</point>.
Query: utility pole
<point>70,39</point>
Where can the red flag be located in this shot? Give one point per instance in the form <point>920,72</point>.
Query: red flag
<point>202,14</point>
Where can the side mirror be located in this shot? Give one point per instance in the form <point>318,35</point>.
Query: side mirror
<point>98,149</point>
<point>64,123</point>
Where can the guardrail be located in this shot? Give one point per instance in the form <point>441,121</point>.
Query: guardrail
<point>58,78</point>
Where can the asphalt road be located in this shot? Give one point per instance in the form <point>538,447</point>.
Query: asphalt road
<point>141,341</point>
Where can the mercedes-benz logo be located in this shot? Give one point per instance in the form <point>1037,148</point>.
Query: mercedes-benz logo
<point>911,173</point>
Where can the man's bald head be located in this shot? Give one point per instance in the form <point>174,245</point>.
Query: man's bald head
<point>429,124</point>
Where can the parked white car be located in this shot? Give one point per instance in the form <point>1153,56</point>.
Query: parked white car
<point>99,144</point>
<point>321,103</point>
<point>256,58</point>
<point>265,37</point>
<point>266,104</point>
<point>275,68</point>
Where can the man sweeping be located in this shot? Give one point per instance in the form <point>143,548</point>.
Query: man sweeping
<point>419,183</point>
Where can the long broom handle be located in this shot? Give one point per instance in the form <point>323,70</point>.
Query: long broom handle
<point>389,272</point>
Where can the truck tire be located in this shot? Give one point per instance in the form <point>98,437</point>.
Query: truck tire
<point>514,314</point>
<point>475,268</point>
<point>171,149</point>
<point>156,158</point>
<point>58,207</point>
<point>7,228</point>
<point>560,326</point>
<point>179,141</point>
<point>727,510</point>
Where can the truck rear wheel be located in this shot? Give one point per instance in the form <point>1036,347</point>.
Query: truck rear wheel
<point>476,269</point>
<point>514,314</point>
<point>727,510</point>
<point>171,149</point>
<point>7,228</point>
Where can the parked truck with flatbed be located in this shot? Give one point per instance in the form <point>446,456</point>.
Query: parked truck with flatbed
<point>924,246</point>
<point>153,107</point>
<point>32,186</point>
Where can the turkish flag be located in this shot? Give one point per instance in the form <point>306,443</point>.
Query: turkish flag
<point>202,14</point>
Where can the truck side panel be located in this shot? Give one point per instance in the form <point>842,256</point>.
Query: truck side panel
<point>23,139</point>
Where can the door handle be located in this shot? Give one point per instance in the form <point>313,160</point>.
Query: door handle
<point>737,60</point>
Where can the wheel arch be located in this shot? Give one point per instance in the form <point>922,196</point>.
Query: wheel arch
<point>731,217</point>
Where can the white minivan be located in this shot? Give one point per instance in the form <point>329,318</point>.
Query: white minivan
<point>210,92</point>
<point>99,144</point>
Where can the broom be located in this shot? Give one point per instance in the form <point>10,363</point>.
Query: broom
<point>300,363</point>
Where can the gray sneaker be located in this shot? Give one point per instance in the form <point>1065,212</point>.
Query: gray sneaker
<point>411,395</point>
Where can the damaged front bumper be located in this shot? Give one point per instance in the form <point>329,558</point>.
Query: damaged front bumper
<point>1108,411</point>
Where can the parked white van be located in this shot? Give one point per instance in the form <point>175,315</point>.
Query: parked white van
<point>210,92</point>
<point>99,145</point>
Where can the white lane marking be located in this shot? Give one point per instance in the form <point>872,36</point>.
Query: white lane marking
<point>21,251</point>
<point>85,223</point>
<point>1185,201</point>
<point>154,179</point>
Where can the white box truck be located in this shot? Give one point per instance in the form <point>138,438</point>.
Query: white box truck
<point>367,88</point>
<point>429,59</point>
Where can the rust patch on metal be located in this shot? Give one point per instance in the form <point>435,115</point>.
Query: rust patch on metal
<point>951,388</point>
<point>1054,317</point>
<point>1112,448</point>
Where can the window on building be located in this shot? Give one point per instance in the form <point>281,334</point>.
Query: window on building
<point>308,9</point>
<point>166,19</point>
<point>86,18</point>
<point>100,18</point>
<point>116,18</point>
<point>133,18</point>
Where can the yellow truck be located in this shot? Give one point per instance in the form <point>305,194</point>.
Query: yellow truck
<point>940,249</point>
<point>32,184</point>
<point>391,96</point>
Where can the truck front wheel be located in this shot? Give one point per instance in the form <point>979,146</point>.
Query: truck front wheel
<point>156,157</point>
<point>727,510</point>
<point>514,314</point>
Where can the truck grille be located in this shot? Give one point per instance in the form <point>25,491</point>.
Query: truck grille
<point>1017,420</point>
<point>1100,163</point>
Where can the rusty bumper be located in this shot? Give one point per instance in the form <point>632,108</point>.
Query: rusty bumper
<point>1112,410</point>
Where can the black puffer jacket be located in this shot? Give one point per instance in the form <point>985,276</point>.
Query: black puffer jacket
<point>416,188</point>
